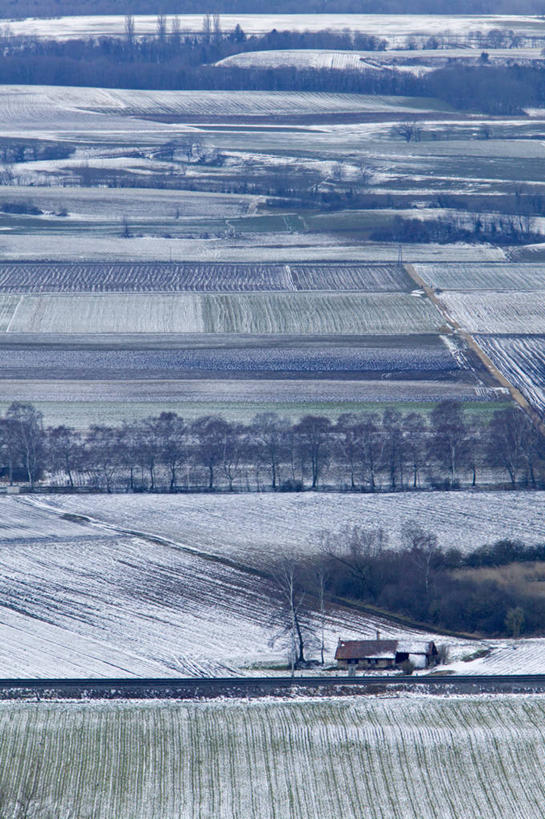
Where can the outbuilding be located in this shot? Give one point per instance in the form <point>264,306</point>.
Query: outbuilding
<point>378,654</point>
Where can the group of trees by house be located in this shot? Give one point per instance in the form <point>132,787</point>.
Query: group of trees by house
<point>444,589</point>
<point>357,452</point>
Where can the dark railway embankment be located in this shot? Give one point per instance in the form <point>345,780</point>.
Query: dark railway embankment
<point>256,687</point>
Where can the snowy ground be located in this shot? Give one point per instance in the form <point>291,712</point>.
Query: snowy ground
<point>255,527</point>
<point>142,588</point>
<point>97,602</point>
<point>270,247</point>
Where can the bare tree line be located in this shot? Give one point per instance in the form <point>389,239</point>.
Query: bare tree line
<point>357,452</point>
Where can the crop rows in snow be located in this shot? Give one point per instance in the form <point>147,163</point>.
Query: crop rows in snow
<point>251,527</point>
<point>526,656</point>
<point>251,313</point>
<point>521,359</point>
<point>496,312</point>
<point>406,758</point>
<point>482,276</point>
<point>32,277</point>
<point>350,277</point>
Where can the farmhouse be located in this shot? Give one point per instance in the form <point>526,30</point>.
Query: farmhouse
<point>359,654</point>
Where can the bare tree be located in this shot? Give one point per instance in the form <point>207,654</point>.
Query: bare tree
<point>206,28</point>
<point>64,450</point>
<point>514,621</point>
<point>269,432</point>
<point>29,437</point>
<point>313,434</point>
<point>423,547</point>
<point>216,25</point>
<point>129,31</point>
<point>409,130</point>
<point>291,597</point>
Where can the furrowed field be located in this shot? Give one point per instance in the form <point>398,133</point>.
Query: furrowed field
<point>118,277</point>
<point>522,360</point>
<point>254,527</point>
<point>276,313</point>
<point>421,757</point>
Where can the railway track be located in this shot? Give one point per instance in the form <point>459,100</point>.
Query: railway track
<point>208,687</point>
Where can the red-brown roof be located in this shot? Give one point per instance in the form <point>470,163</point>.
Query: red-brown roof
<point>365,649</point>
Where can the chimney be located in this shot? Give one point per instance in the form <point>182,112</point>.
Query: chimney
<point>378,634</point>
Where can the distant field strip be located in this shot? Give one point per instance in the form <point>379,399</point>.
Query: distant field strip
<point>316,313</point>
<point>101,313</point>
<point>522,360</point>
<point>255,313</point>
<point>253,527</point>
<point>66,277</point>
<point>422,356</point>
<point>482,276</point>
<point>248,103</point>
<point>493,312</point>
<point>408,758</point>
<point>351,277</point>
<point>8,305</point>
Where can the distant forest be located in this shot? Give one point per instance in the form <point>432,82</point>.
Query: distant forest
<point>54,8</point>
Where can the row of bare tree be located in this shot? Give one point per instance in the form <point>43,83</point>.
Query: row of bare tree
<point>359,452</point>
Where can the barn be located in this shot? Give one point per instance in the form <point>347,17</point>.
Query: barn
<point>378,654</point>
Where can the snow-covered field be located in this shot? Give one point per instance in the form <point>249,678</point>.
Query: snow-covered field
<point>417,757</point>
<point>395,28</point>
<point>525,656</point>
<point>96,602</point>
<point>497,312</point>
<point>84,402</point>
<point>259,313</point>
<point>521,359</point>
<point>100,203</point>
<point>254,527</point>
<point>317,59</point>
<point>487,276</point>
<point>134,591</point>
<point>229,396</point>
<point>72,110</point>
<point>258,247</point>
<point>417,62</point>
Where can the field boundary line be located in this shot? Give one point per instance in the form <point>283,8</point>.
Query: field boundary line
<point>515,393</point>
<point>8,328</point>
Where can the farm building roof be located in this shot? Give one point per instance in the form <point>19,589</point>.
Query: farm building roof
<point>364,649</point>
<point>380,649</point>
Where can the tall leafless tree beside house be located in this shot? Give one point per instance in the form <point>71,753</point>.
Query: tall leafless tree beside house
<point>291,616</point>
